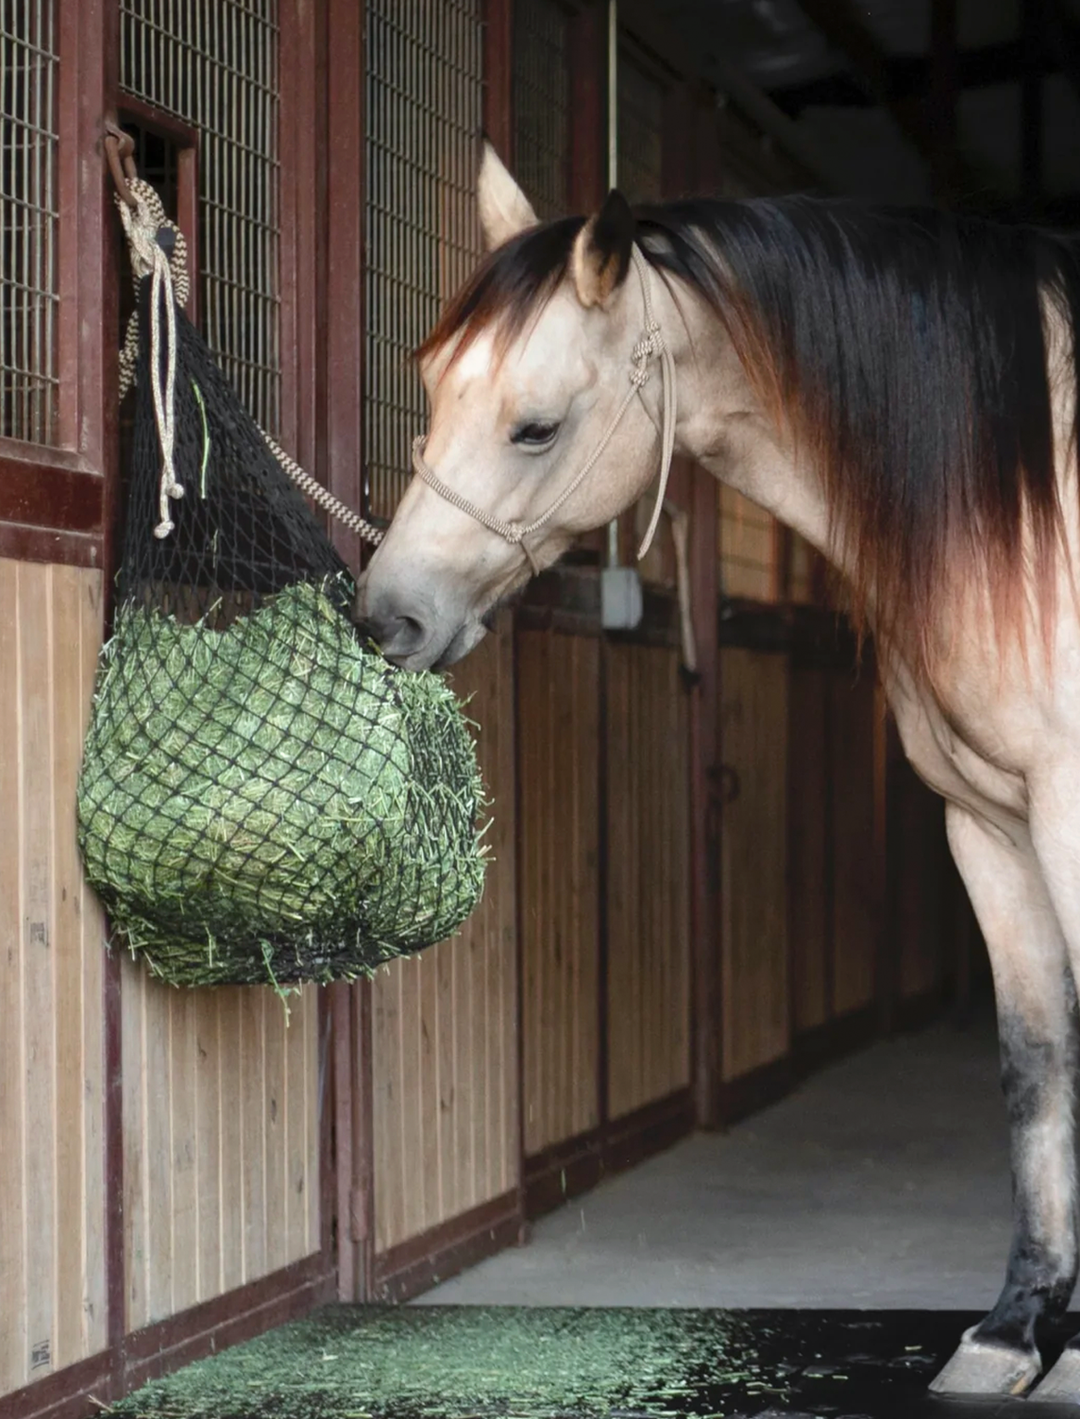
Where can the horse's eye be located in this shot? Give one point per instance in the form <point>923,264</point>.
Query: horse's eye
<point>535,434</point>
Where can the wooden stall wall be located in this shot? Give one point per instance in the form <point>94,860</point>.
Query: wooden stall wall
<point>52,1155</point>
<point>559,853</point>
<point>755,1024</point>
<point>604,885</point>
<point>647,876</point>
<point>444,1044</point>
<point>221,1140</point>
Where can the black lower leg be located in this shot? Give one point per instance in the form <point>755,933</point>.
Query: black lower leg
<point>1037,1079</point>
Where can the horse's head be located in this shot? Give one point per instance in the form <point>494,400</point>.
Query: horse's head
<point>526,447</point>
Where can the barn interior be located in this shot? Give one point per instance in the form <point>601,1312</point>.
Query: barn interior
<point>718,1035</point>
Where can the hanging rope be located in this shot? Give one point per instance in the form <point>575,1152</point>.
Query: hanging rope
<point>158,249</point>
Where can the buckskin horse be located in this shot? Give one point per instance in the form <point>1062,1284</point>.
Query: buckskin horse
<point>899,387</point>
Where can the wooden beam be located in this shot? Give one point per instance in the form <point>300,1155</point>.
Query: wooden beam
<point>839,22</point>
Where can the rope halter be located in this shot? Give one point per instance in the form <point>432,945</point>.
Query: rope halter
<point>650,346</point>
<point>144,223</point>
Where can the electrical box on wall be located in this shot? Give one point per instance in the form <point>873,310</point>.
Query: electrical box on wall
<point>621,605</point>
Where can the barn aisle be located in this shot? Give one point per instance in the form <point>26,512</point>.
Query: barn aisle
<point>882,1182</point>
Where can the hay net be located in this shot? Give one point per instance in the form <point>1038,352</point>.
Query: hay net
<point>262,798</point>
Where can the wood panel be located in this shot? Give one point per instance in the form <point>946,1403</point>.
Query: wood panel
<point>756,1025</point>
<point>445,1091</point>
<point>809,850</point>
<point>52,1272</point>
<point>857,846</point>
<point>559,729</point>
<point>648,877</point>
<point>221,1158</point>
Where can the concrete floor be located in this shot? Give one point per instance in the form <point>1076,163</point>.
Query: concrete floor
<point>882,1182</point>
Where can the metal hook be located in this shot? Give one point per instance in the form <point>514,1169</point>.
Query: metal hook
<point>119,147</point>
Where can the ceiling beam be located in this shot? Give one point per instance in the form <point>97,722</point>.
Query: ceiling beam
<point>909,78</point>
<point>839,22</point>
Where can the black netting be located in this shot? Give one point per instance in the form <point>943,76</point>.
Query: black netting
<point>261,797</point>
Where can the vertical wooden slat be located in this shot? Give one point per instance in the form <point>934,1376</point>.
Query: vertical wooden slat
<point>35,768</point>
<point>251,1089</point>
<point>13,1349</point>
<point>69,1117</point>
<point>754,730</point>
<point>183,1160</point>
<point>230,1239</point>
<point>90,944</point>
<point>276,1105</point>
<point>209,1124</point>
<point>809,859</point>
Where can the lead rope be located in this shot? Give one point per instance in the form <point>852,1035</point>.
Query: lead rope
<point>651,345</point>
<point>144,225</point>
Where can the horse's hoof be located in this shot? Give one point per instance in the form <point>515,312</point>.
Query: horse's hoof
<point>1062,1383</point>
<point>982,1367</point>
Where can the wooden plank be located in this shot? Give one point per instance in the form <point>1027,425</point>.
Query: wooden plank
<point>251,1092</point>
<point>275,1090</point>
<point>136,1213</point>
<point>92,956</point>
<point>157,1121</point>
<point>183,1021</point>
<point>70,1105</point>
<point>301,1055</point>
<point>35,768</point>
<point>753,723</point>
<point>13,1347</point>
<point>809,860</point>
<point>208,1124</point>
<point>231,1209</point>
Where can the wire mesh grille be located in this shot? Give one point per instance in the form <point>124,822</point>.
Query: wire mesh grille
<point>641,132</point>
<point>215,64</point>
<point>424,110</point>
<point>28,220</point>
<point>542,105</point>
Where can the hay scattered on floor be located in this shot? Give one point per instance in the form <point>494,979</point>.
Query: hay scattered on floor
<point>271,801</point>
<point>440,1361</point>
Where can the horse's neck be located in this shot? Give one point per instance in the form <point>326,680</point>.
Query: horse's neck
<point>722,427</point>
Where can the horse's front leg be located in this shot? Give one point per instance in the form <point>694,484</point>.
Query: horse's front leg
<point>1036,1005</point>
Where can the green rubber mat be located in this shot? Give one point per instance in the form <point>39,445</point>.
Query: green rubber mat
<point>475,1362</point>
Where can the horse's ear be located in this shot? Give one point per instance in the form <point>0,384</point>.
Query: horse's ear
<point>504,208</point>
<point>601,256</point>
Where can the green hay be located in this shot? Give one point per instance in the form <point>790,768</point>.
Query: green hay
<point>449,1362</point>
<point>271,801</point>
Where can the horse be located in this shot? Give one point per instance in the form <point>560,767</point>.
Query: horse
<point>899,386</point>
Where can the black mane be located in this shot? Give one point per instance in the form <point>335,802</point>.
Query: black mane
<point>905,349</point>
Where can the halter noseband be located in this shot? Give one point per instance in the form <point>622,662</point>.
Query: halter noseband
<point>650,346</point>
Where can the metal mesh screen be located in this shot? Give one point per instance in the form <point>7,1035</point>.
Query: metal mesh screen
<point>641,132</point>
<point>423,92</point>
<point>28,220</point>
<point>542,105</point>
<point>214,64</point>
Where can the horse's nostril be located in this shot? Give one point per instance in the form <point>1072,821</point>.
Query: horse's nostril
<point>410,628</point>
